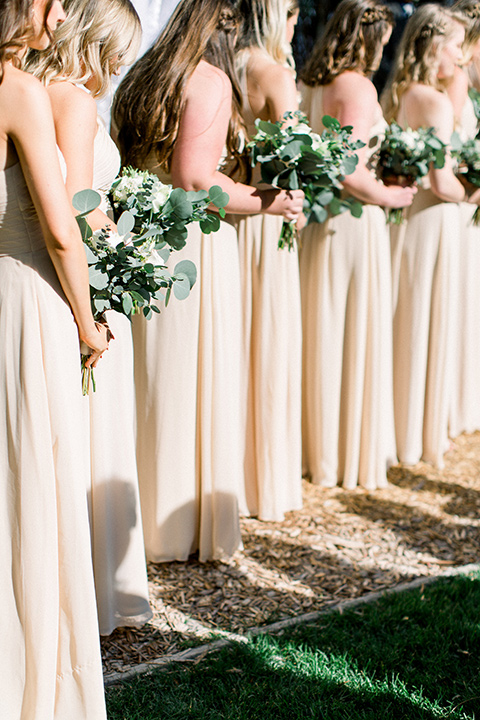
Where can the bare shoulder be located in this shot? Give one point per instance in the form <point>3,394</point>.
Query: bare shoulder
<point>68,98</point>
<point>426,97</point>
<point>355,86</point>
<point>22,99</point>
<point>209,80</point>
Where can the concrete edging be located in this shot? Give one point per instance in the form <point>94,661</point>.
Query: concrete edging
<point>191,654</point>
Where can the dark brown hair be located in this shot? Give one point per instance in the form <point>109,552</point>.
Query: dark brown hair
<point>148,104</point>
<point>351,41</point>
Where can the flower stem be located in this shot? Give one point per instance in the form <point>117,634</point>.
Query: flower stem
<point>288,235</point>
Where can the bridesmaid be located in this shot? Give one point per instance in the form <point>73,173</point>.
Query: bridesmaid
<point>95,40</point>
<point>272,324</point>
<point>50,663</point>
<point>465,404</point>
<point>425,248</point>
<point>345,269</point>
<point>178,114</point>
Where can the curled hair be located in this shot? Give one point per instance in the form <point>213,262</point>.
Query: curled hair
<point>426,34</point>
<point>16,27</point>
<point>264,26</point>
<point>470,11</point>
<point>352,41</point>
<point>148,105</point>
<point>94,36</point>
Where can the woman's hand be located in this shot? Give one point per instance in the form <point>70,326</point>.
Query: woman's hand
<point>399,197</point>
<point>288,203</point>
<point>97,342</point>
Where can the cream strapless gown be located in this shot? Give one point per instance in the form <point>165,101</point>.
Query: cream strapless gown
<point>271,361</point>
<point>50,663</point>
<point>115,513</point>
<point>187,377</point>
<point>345,275</point>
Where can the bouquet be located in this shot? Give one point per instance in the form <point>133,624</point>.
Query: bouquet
<point>292,156</point>
<point>468,156</point>
<point>161,212</point>
<point>404,158</point>
<point>126,272</point>
<point>474,96</point>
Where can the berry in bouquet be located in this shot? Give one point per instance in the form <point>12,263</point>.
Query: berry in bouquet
<point>163,213</point>
<point>467,155</point>
<point>292,157</point>
<point>126,273</point>
<point>404,158</point>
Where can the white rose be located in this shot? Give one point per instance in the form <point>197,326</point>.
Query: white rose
<point>301,129</point>
<point>160,196</point>
<point>408,139</point>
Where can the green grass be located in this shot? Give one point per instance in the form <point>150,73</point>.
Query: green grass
<point>413,655</point>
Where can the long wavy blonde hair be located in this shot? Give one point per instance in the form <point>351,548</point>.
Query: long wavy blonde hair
<point>264,26</point>
<point>470,10</point>
<point>352,41</point>
<point>426,33</point>
<point>97,37</point>
<point>16,17</point>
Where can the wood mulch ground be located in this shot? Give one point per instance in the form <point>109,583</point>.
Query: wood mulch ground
<point>341,545</point>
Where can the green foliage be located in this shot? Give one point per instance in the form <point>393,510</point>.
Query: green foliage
<point>292,156</point>
<point>467,154</point>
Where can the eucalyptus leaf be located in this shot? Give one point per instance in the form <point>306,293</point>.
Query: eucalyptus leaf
<point>97,279</point>
<point>209,224</point>
<point>86,200</point>
<point>126,223</point>
<point>218,197</point>
<point>181,286</point>
<point>180,203</point>
<point>127,304</point>
<point>187,268</point>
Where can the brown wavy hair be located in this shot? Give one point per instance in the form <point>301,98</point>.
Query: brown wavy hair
<point>426,33</point>
<point>351,41</point>
<point>149,102</point>
<point>16,20</point>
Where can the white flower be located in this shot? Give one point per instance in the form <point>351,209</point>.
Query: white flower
<point>160,196</point>
<point>408,139</point>
<point>112,238</point>
<point>319,145</point>
<point>301,129</point>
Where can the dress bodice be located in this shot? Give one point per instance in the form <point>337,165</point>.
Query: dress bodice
<point>106,163</point>
<point>468,122</point>
<point>20,230</point>
<point>312,106</point>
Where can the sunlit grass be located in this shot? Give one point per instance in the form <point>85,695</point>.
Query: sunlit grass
<point>413,655</point>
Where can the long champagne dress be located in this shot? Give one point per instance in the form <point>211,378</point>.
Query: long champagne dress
<point>117,536</point>
<point>187,377</point>
<point>345,277</point>
<point>465,403</point>
<point>271,360</point>
<point>425,279</point>
<point>50,664</point>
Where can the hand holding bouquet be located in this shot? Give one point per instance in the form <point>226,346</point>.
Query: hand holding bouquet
<point>467,155</point>
<point>292,157</point>
<point>126,272</point>
<point>404,158</point>
<point>162,213</point>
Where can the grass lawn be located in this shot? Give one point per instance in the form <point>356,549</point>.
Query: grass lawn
<point>414,655</point>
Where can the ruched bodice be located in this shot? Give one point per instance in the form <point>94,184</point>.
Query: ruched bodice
<point>107,164</point>
<point>20,230</point>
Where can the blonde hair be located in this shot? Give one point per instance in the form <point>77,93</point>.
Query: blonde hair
<point>352,41</point>
<point>426,33</point>
<point>470,11</point>
<point>95,36</point>
<point>264,25</point>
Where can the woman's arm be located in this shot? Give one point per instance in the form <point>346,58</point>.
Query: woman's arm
<point>28,122</point>
<point>200,145</point>
<point>75,118</point>
<point>352,99</point>
<point>428,107</point>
